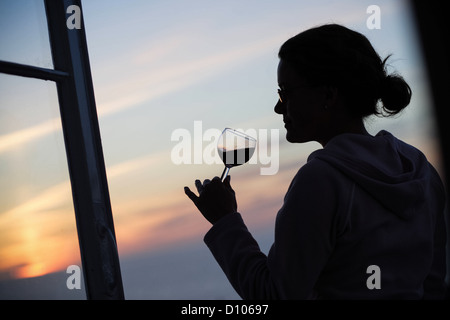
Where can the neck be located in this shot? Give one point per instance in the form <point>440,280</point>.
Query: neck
<point>356,127</point>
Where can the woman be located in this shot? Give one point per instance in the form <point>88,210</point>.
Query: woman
<point>363,218</point>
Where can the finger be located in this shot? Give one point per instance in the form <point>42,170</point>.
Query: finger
<point>216,182</point>
<point>226,182</point>
<point>199,186</point>
<point>190,194</point>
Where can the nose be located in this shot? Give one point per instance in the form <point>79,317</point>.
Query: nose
<point>279,107</point>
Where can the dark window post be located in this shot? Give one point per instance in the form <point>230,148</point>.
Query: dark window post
<point>433,27</point>
<point>84,154</point>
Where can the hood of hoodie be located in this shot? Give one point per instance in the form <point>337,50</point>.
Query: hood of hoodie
<point>393,172</point>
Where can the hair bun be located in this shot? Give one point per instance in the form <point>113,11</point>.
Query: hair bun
<point>395,94</point>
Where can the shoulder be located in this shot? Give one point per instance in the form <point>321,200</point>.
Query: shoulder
<point>319,195</point>
<point>318,173</point>
<point>316,167</point>
<point>318,182</point>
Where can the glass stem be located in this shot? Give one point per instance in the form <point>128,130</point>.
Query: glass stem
<point>224,173</point>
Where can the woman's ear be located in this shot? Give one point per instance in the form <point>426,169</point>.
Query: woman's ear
<point>331,96</point>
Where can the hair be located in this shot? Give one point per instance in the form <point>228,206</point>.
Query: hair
<point>337,56</point>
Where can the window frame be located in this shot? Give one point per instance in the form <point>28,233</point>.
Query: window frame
<point>93,213</point>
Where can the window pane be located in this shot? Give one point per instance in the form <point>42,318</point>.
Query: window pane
<point>24,34</point>
<point>180,69</point>
<point>38,239</point>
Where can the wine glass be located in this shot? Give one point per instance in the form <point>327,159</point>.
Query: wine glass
<point>235,148</point>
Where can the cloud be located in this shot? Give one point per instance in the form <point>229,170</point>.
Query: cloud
<point>146,86</point>
<point>152,82</point>
<point>27,135</point>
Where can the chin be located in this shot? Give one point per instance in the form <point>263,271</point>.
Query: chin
<point>291,138</point>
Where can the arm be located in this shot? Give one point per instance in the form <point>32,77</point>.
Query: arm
<point>303,242</point>
<point>241,259</point>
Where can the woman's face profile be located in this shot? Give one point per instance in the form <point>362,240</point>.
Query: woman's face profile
<point>303,106</point>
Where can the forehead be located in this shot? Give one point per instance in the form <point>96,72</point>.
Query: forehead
<point>287,75</point>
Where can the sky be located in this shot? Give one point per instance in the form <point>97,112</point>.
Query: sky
<point>160,68</point>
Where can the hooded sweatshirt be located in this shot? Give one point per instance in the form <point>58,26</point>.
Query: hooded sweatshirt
<point>362,219</point>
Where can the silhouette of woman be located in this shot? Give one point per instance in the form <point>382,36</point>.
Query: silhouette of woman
<point>364,217</point>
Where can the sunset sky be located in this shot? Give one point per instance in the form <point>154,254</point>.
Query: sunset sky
<point>160,66</point>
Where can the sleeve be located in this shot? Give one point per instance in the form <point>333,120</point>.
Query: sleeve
<point>304,239</point>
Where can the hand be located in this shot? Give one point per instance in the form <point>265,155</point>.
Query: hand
<point>215,199</point>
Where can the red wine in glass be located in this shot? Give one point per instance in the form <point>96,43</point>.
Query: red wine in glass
<point>235,148</point>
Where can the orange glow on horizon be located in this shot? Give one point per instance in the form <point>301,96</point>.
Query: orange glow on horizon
<point>143,224</point>
<point>31,271</point>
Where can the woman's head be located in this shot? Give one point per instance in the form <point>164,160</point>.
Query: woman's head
<point>344,65</point>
